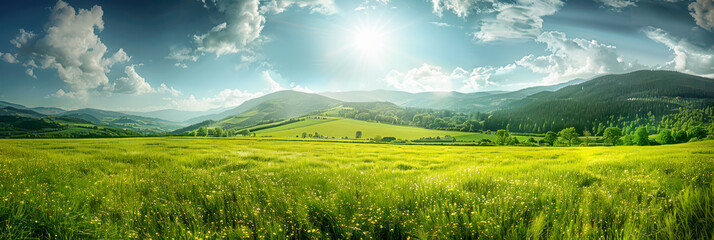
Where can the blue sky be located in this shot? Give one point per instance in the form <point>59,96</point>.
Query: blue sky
<point>198,55</point>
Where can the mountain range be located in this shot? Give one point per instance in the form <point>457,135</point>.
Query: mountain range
<point>631,94</point>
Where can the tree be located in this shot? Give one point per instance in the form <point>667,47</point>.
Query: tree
<point>244,132</point>
<point>665,136</point>
<point>586,133</point>
<point>568,135</point>
<point>696,132</point>
<point>202,132</point>
<point>680,136</point>
<point>377,138</point>
<point>219,132</point>
<point>550,137</point>
<point>600,129</point>
<point>304,135</point>
<point>358,134</point>
<point>502,137</point>
<point>612,135</point>
<point>642,137</point>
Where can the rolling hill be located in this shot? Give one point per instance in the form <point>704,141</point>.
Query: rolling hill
<point>620,96</point>
<point>123,121</point>
<point>455,101</point>
<point>40,110</point>
<point>56,127</point>
<point>300,101</point>
<point>278,105</point>
<point>175,115</point>
<point>342,127</point>
<point>12,111</point>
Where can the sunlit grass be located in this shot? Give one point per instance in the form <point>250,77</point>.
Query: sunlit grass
<point>226,188</point>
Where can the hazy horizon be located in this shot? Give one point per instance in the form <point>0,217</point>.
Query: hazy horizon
<point>200,55</point>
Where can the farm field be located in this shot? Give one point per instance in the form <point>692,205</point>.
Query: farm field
<point>212,188</point>
<point>342,127</point>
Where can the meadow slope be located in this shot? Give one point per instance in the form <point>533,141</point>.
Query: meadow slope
<point>208,188</point>
<point>343,127</point>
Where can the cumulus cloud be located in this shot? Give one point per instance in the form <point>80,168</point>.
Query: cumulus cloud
<point>225,99</point>
<point>169,90</point>
<point>31,73</point>
<point>243,25</point>
<point>523,19</point>
<point>22,38</point>
<point>132,83</point>
<point>428,78</point>
<point>72,47</point>
<point>481,77</point>
<point>274,86</point>
<point>371,4</point>
<point>618,5</point>
<point>703,13</point>
<point>11,58</point>
<point>62,94</point>
<point>504,20</point>
<point>462,8</point>
<point>574,58</point>
<point>326,7</point>
<point>688,58</point>
<point>182,54</point>
<point>425,78</point>
<point>294,86</point>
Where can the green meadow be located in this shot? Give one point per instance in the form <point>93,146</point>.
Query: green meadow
<point>233,188</point>
<point>343,127</point>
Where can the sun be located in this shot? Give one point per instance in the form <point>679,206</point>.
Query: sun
<point>369,42</point>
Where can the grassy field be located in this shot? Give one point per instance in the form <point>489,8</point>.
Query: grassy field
<point>211,188</point>
<point>340,127</point>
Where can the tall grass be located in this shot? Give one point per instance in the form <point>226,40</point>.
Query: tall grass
<point>164,188</point>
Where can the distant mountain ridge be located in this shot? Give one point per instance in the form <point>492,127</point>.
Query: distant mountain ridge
<point>175,115</point>
<point>629,95</point>
<point>455,101</point>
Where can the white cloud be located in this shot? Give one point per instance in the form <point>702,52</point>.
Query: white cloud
<point>72,47</point>
<point>703,13</point>
<point>31,73</point>
<point>574,58</point>
<point>241,31</point>
<point>429,78</point>
<point>132,83</point>
<point>11,58</point>
<point>688,57</point>
<point>425,78</point>
<point>371,4</point>
<point>62,94</point>
<point>170,90</point>
<point>462,8</point>
<point>521,20</point>
<point>181,54</point>
<point>326,7</point>
<point>618,5</point>
<point>22,38</point>
<point>481,77</point>
<point>299,88</point>
<point>274,86</point>
<point>224,99</point>
<point>443,24</point>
